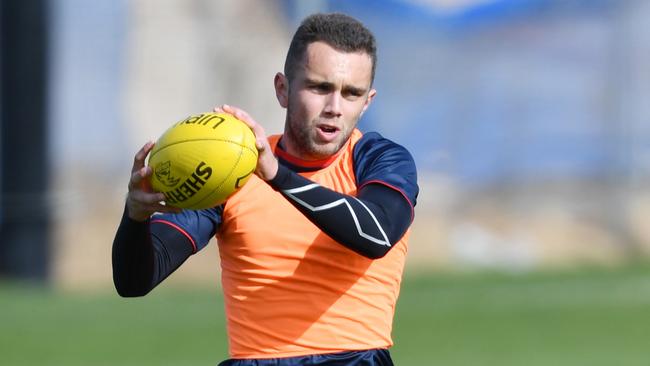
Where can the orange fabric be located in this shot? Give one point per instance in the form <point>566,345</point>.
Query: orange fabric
<point>289,288</point>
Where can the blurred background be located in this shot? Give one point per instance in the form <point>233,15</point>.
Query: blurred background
<point>528,120</point>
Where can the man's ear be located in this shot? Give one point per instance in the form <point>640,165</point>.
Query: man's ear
<point>281,84</point>
<point>371,96</point>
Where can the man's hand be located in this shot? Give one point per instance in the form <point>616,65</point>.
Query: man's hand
<point>142,201</point>
<point>267,163</point>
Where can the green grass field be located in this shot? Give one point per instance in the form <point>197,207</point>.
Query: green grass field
<point>586,317</point>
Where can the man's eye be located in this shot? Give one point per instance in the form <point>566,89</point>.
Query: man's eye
<point>320,88</point>
<point>352,94</point>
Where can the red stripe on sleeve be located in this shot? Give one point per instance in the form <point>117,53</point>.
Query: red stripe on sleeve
<point>179,229</point>
<point>394,188</point>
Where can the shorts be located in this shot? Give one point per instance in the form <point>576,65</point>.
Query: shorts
<point>374,357</point>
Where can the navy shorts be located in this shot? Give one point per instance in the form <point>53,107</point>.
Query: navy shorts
<point>374,357</point>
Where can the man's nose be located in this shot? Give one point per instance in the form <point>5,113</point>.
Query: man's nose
<point>333,105</point>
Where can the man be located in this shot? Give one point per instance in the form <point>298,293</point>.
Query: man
<point>312,248</point>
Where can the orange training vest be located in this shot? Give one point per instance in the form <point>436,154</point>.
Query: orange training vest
<point>290,289</point>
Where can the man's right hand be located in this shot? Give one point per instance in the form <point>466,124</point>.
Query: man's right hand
<point>142,201</point>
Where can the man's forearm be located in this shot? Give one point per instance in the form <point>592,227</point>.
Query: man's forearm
<point>144,254</point>
<point>369,224</point>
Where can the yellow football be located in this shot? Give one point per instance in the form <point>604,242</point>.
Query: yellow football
<point>202,160</point>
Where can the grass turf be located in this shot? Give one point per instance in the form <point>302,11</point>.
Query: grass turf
<point>586,317</point>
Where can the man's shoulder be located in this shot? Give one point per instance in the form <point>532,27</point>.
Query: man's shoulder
<point>381,160</point>
<point>372,146</point>
<point>374,136</point>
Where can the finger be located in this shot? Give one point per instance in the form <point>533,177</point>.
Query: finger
<point>239,113</point>
<point>146,198</point>
<point>159,207</point>
<point>138,160</point>
<point>249,121</point>
<point>139,177</point>
<point>243,116</point>
<point>228,108</point>
<point>261,144</point>
<point>224,108</point>
<point>259,132</point>
<point>154,202</point>
<point>167,209</point>
<point>246,118</point>
<point>142,212</point>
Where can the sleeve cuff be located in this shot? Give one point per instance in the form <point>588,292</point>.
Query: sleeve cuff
<point>282,178</point>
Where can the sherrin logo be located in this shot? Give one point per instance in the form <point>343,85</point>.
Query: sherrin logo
<point>191,185</point>
<point>206,119</point>
<point>163,172</point>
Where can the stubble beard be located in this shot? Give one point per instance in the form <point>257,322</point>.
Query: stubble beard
<point>301,135</point>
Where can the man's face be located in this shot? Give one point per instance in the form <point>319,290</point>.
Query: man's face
<point>324,100</point>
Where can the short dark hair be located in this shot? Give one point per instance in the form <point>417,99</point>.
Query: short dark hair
<point>339,31</point>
